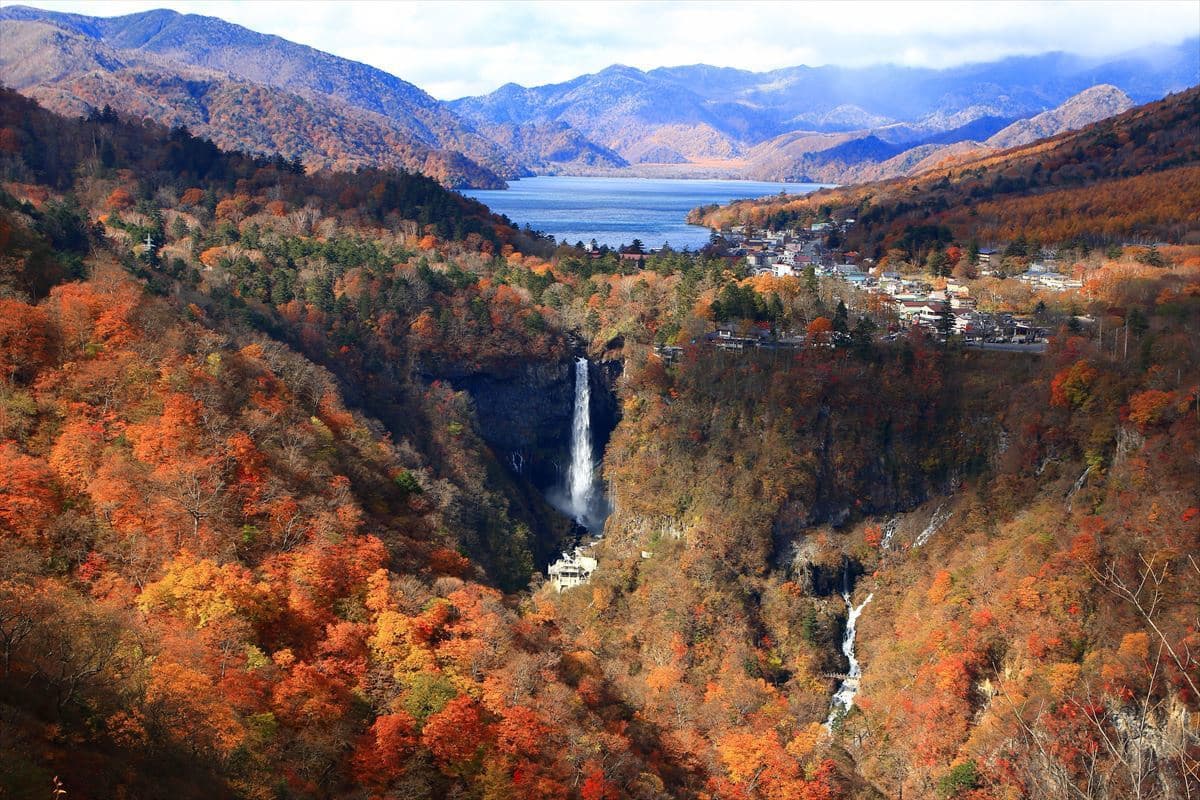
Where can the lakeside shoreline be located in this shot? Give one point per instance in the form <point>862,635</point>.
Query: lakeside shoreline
<point>615,210</point>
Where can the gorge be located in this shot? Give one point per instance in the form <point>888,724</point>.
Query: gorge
<point>843,698</point>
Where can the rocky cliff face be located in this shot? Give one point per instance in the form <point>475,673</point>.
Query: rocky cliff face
<point>606,408</point>
<point>525,416</point>
<point>525,413</point>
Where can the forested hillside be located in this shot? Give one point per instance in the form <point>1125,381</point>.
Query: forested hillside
<point>1027,530</point>
<point>243,90</point>
<point>219,580</point>
<point>258,541</point>
<point>1133,176</point>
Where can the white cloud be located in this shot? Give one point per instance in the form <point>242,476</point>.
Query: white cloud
<point>452,49</point>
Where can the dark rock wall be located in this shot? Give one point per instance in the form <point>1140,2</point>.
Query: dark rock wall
<point>606,406</point>
<point>525,413</point>
<point>525,416</point>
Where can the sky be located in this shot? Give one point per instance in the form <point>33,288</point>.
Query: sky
<point>454,49</point>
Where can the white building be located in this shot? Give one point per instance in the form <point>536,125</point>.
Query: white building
<point>573,569</point>
<point>1051,280</point>
<point>972,324</point>
<point>756,259</point>
<point>958,301</point>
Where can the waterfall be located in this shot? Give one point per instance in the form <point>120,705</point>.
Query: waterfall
<point>1078,485</point>
<point>935,524</point>
<point>843,699</point>
<point>580,484</point>
<point>579,496</point>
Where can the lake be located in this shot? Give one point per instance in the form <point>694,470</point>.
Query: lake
<point>615,211</point>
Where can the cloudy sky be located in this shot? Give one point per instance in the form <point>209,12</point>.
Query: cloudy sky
<point>452,49</point>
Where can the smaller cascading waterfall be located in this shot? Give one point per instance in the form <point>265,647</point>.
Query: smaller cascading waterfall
<point>843,699</point>
<point>580,479</point>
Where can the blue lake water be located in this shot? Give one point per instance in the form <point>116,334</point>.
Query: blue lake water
<point>615,211</point>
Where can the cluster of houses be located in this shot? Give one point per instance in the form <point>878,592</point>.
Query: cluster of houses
<point>915,301</point>
<point>917,304</point>
<point>780,253</point>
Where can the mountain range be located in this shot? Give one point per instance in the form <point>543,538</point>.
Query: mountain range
<point>1134,176</point>
<point>244,90</point>
<point>858,156</point>
<point>262,93</point>
<point>832,123</point>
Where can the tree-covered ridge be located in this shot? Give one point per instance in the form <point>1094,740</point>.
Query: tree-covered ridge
<point>1025,613</point>
<point>221,581</point>
<point>1131,176</point>
<point>229,585</point>
<point>338,265</point>
<point>42,148</point>
<point>245,90</point>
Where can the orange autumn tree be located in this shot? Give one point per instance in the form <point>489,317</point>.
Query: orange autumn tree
<point>181,696</point>
<point>455,733</point>
<point>24,346</point>
<point>1073,386</point>
<point>1150,408</point>
<point>819,330</point>
<point>380,753</point>
<point>233,208</point>
<point>28,500</point>
<point>119,200</point>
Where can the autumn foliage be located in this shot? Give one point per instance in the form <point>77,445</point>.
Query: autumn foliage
<point>1134,174</point>
<point>255,580</point>
<point>254,543</point>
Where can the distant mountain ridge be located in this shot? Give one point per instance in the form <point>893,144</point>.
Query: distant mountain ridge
<point>265,94</point>
<point>856,157</point>
<point>275,97</point>
<point>1090,105</point>
<point>1132,176</point>
<point>212,43</point>
<point>702,113</point>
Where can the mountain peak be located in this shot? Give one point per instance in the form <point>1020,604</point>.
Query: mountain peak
<point>1101,92</point>
<point>138,62</point>
<point>1091,105</point>
<point>622,69</point>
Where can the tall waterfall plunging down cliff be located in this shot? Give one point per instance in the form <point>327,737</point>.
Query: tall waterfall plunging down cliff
<point>580,479</point>
<point>843,699</point>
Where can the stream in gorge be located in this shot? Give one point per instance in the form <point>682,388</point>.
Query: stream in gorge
<point>843,698</point>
